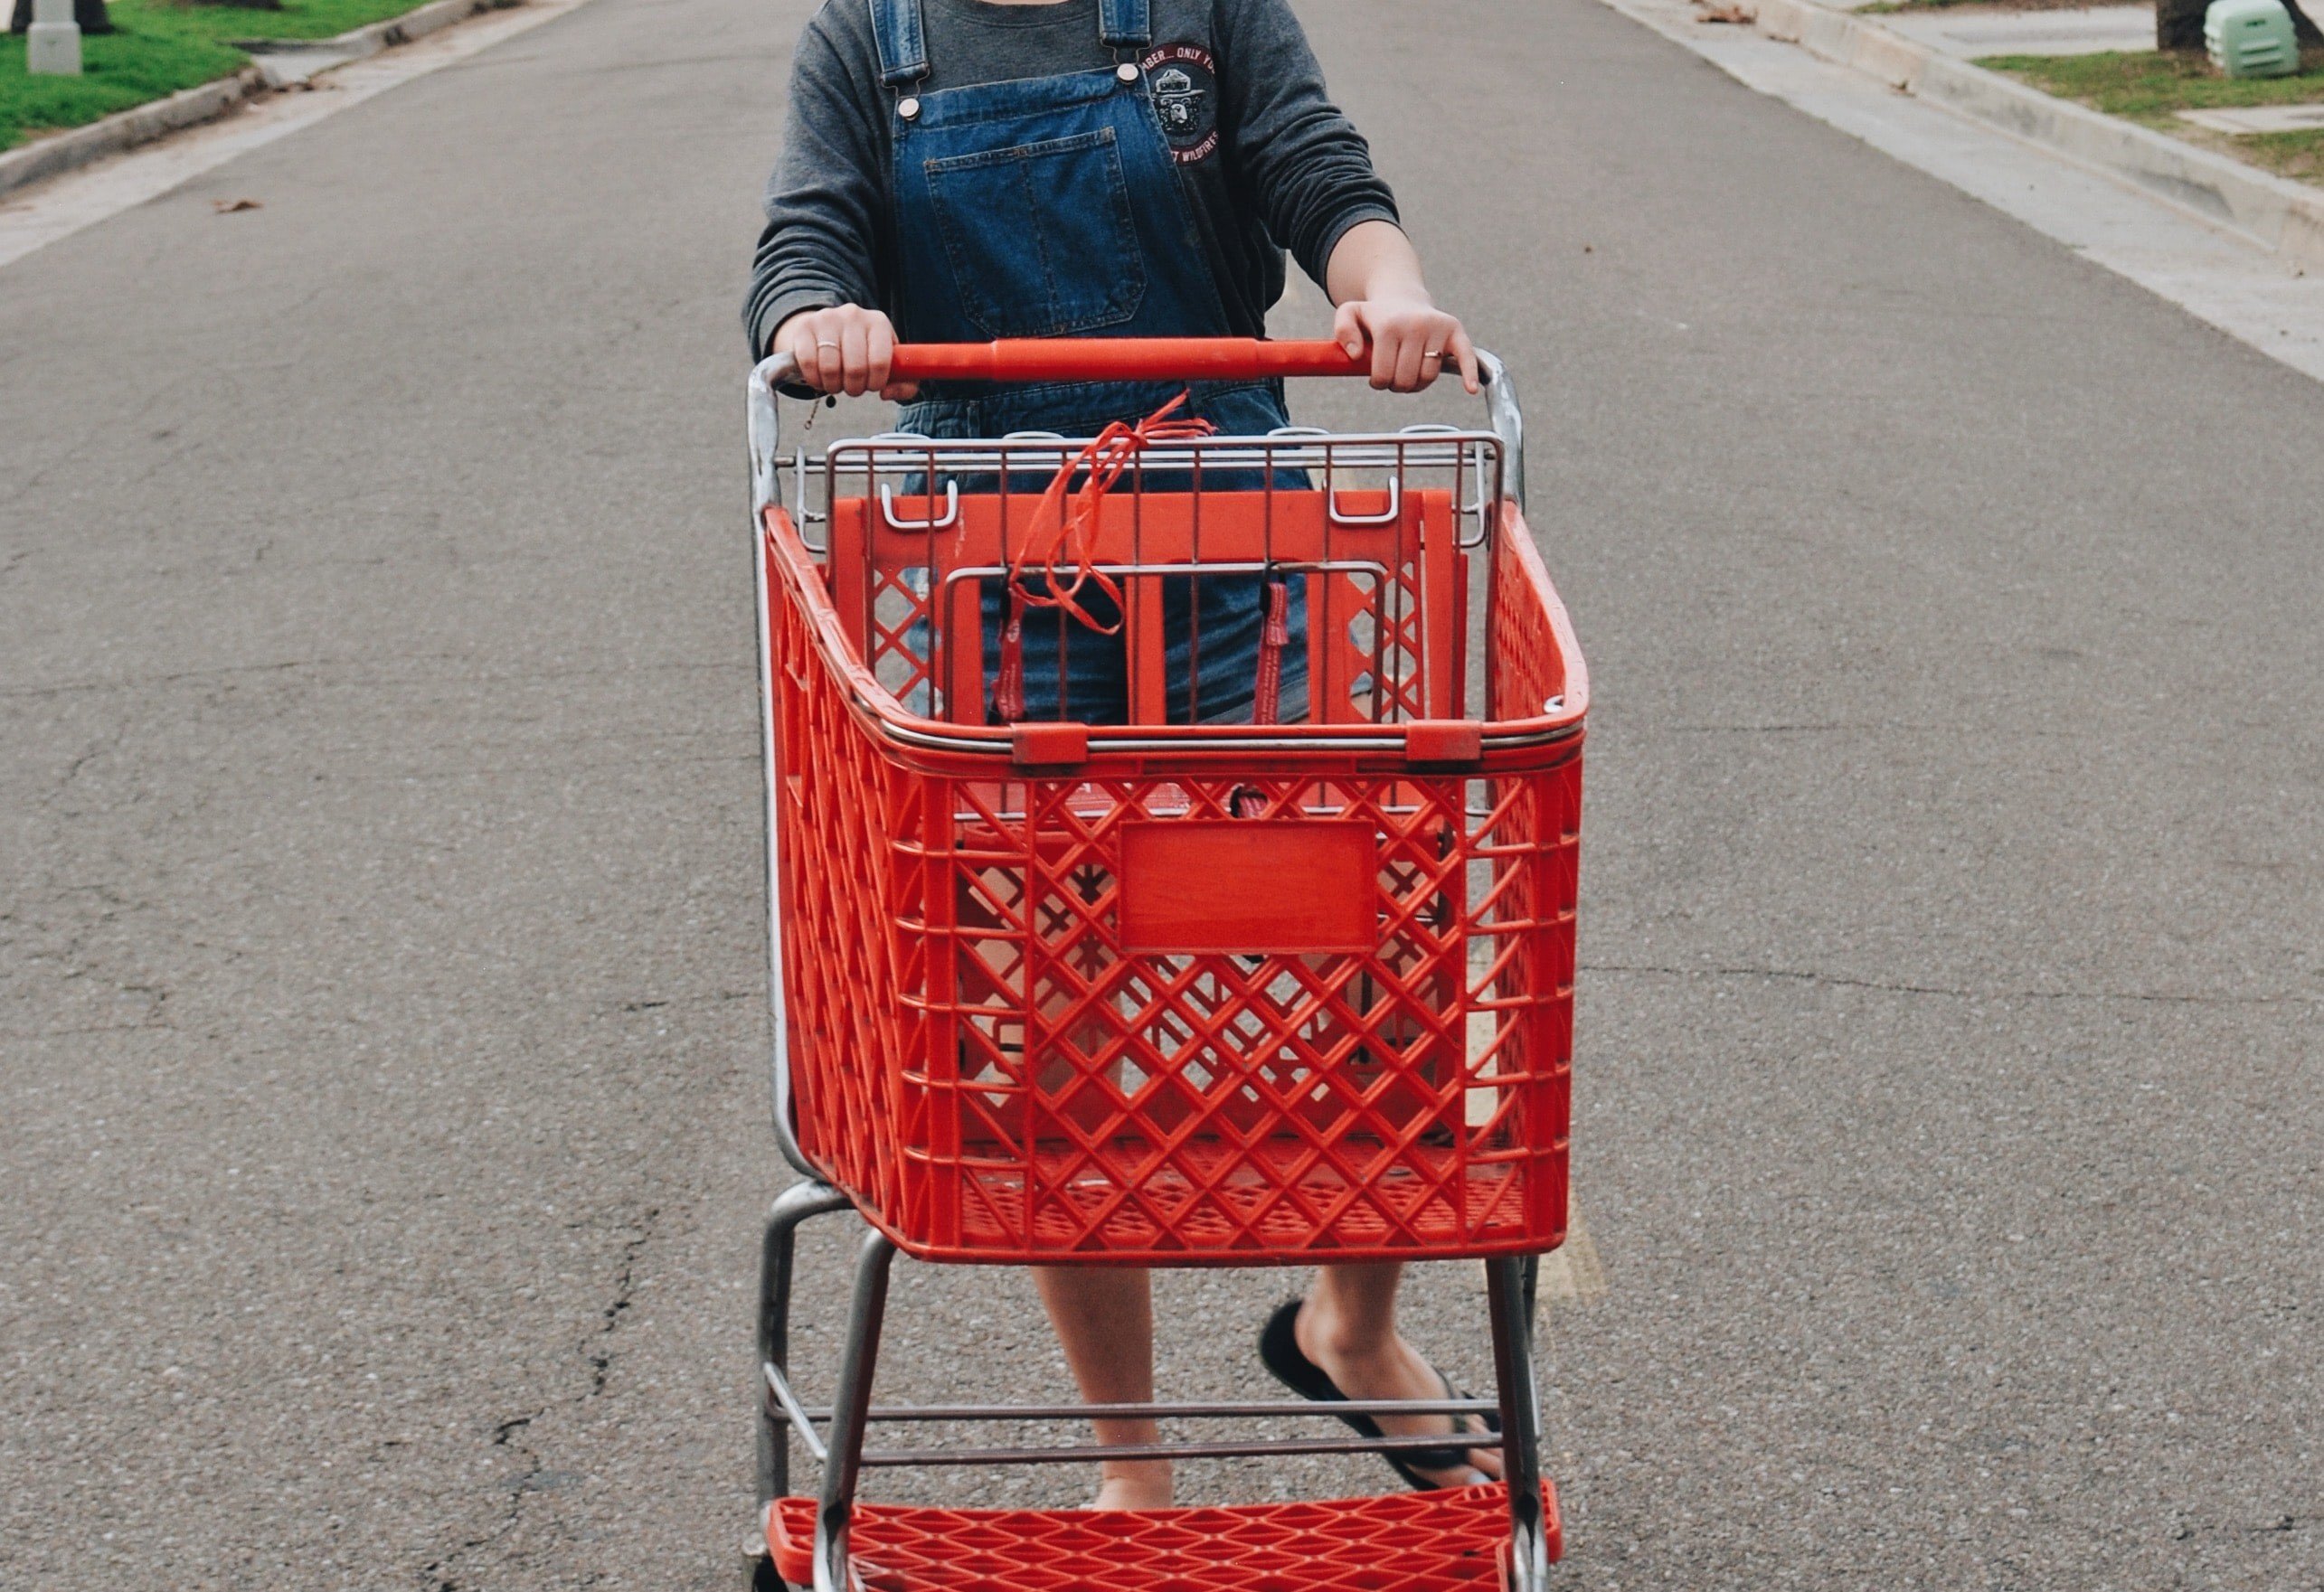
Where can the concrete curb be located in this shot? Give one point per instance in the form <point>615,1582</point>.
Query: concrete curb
<point>142,124</point>
<point>359,42</point>
<point>2284,217</point>
<point>125,129</point>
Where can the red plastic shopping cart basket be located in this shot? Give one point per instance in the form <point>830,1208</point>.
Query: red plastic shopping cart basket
<point>1168,991</point>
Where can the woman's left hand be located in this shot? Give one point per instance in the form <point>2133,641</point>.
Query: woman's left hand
<point>1410,340</point>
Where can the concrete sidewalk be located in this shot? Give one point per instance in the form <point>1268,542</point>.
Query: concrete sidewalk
<point>2284,216</point>
<point>1968,32</point>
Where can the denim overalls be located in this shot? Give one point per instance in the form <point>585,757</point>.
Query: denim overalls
<point>1051,207</point>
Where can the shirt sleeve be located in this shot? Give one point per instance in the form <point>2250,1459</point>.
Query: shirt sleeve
<point>824,203</point>
<point>1308,168</point>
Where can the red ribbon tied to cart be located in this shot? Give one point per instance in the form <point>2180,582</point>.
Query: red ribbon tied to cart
<point>1073,534</point>
<point>1100,463</point>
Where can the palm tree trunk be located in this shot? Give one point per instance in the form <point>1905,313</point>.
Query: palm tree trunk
<point>2178,24</point>
<point>88,14</point>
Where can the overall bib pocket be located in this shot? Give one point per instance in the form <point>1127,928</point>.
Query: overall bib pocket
<point>1040,236</point>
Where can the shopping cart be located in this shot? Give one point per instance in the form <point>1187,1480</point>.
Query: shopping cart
<point>1164,993</point>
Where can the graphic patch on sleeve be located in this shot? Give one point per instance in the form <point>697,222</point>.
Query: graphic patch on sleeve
<point>1184,80</point>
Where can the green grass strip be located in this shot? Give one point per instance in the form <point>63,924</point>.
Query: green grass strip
<point>2150,88</point>
<point>158,48</point>
<point>2147,83</point>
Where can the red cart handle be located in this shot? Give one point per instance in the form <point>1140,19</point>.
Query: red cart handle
<point>1122,359</point>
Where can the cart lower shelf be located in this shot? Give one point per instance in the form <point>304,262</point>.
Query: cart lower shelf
<point>1449,1540</point>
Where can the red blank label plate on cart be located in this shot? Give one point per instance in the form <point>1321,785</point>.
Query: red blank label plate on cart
<point>1230,885</point>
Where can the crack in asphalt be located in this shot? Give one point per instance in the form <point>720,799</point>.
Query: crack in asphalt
<point>516,770</point>
<point>657,1003</point>
<point>503,1436</point>
<point>1804,729</point>
<point>1842,980</point>
<point>601,1361</point>
<point>107,743</point>
<point>488,677</point>
<point>51,1033</point>
<point>599,1353</point>
<point>62,938</point>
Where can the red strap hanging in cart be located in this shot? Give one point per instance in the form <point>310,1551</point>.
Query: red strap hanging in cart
<point>1274,635</point>
<point>1075,535</point>
<point>1008,691</point>
<point>1247,801</point>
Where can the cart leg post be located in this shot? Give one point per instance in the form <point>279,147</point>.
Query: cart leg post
<point>776,1251</point>
<point>1508,1299</point>
<point>849,1412</point>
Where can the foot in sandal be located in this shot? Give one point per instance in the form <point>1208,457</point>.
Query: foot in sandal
<point>1329,1358</point>
<point>1134,1484</point>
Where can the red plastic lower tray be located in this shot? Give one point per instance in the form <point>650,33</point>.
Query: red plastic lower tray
<point>1449,1541</point>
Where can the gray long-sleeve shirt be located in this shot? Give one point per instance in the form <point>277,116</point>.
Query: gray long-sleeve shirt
<point>1270,162</point>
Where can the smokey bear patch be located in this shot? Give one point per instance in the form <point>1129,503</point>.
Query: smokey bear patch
<point>1183,79</point>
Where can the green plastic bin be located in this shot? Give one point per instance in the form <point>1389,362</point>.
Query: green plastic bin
<point>2251,38</point>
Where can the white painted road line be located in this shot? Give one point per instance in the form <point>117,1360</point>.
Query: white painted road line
<point>1570,1274</point>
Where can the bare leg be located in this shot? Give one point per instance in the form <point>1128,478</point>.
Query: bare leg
<point>1348,1327</point>
<point>1104,1317</point>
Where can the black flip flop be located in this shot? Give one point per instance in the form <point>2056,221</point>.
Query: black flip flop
<point>1278,1347</point>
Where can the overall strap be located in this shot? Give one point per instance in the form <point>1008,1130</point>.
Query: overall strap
<point>902,42</point>
<point>1123,24</point>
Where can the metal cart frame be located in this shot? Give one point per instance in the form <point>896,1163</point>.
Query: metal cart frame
<point>838,1436</point>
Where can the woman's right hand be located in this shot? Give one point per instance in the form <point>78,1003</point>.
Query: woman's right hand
<point>844,349</point>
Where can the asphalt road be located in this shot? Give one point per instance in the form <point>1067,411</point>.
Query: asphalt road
<point>380,963</point>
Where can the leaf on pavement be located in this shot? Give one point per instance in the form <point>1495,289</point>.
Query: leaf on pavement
<point>229,206</point>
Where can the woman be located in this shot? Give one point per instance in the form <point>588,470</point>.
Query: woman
<point>965,170</point>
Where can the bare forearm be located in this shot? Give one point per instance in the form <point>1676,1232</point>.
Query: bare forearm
<point>1374,277</point>
<point>1373,259</point>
